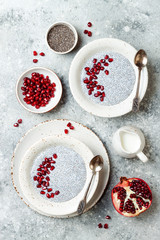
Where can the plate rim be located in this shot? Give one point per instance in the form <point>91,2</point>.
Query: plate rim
<point>124,106</point>
<point>85,127</point>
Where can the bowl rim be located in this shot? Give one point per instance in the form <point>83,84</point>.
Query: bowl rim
<point>73,30</point>
<point>33,69</point>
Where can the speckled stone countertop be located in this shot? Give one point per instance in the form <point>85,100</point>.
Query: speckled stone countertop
<point>23,25</point>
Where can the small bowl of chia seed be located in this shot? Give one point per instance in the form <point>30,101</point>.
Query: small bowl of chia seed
<point>62,37</point>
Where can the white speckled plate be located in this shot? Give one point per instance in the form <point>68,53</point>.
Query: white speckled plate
<point>83,155</point>
<point>91,49</point>
<point>50,129</point>
<point>53,101</point>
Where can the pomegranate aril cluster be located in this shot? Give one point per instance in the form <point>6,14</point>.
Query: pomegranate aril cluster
<point>91,79</point>
<point>35,54</point>
<point>42,178</point>
<point>38,90</point>
<point>70,126</point>
<point>17,123</point>
<point>105,225</point>
<point>89,33</point>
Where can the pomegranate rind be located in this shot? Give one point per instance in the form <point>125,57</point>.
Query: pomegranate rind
<point>124,182</point>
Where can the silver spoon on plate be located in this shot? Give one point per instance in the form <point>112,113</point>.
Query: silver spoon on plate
<point>96,165</point>
<point>140,61</point>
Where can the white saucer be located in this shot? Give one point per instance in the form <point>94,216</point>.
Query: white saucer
<point>41,203</point>
<point>53,101</point>
<point>52,128</point>
<point>100,45</point>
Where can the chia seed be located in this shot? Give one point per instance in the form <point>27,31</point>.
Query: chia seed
<point>61,38</point>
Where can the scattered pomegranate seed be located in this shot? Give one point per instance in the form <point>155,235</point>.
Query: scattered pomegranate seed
<point>89,34</point>
<point>52,195</point>
<point>48,195</point>
<point>94,60</point>
<point>42,54</point>
<point>110,60</point>
<point>66,131</point>
<point>55,155</point>
<point>71,127</point>
<point>19,121</point>
<point>16,125</point>
<point>57,192</point>
<point>106,57</point>
<point>52,168</point>
<point>49,189</point>
<point>105,225</point>
<point>42,192</point>
<point>69,124</point>
<point>100,225</point>
<point>108,217</point>
<point>85,31</point>
<point>89,24</point>
<point>35,53</point>
<point>35,178</point>
<point>47,178</point>
<point>106,72</point>
<point>38,185</point>
<point>35,60</point>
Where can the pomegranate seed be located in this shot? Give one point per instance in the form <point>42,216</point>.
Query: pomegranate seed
<point>52,168</point>
<point>102,88</point>
<point>106,72</point>
<point>16,125</point>
<point>38,185</point>
<point>105,225</point>
<point>100,225</point>
<point>47,178</point>
<point>89,24</point>
<point>48,195</point>
<point>103,94</point>
<point>110,60</point>
<point>94,60</point>
<point>47,184</point>
<point>101,99</point>
<point>106,64</point>
<point>66,131</point>
<point>52,195</point>
<point>89,92</point>
<point>96,95</point>
<point>49,189</point>
<point>85,31</point>
<point>57,192</point>
<point>35,178</point>
<point>34,53</point>
<point>35,60</point>
<point>42,54</point>
<point>55,156</point>
<point>71,127</point>
<point>19,121</point>
<point>102,61</point>
<point>98,87</point>
<point>42,192</point>
<point>89,34</point>
<point>108,217</point>
<point>106,57</point>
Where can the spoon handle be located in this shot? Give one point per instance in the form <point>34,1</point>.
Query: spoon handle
<point>82,203</point>
<point>136,102</point>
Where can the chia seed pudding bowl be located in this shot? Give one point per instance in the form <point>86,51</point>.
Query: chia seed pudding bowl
<point>62,37</point>
<point>69,178</point>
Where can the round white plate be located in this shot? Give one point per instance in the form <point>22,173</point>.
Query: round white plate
<point>53,101</point>
<point>56,127</point>
<point>40,202</point>
<point>110,45</point>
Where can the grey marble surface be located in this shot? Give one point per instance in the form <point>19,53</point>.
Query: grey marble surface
<point>23,25</point>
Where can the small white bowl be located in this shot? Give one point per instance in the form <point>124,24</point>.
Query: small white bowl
<point>73,30</point>
<point>53,101</point>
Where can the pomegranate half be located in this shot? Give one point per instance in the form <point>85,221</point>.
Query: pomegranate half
<point>131,196</point>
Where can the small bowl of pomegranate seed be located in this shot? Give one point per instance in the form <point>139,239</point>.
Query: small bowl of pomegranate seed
<point>39,90</point>
<point>62,37</point>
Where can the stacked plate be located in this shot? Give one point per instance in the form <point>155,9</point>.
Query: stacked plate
<point>71,173</point>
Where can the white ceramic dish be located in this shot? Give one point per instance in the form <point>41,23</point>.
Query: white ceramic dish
<point>53,101</point>
<point>73,30</point>
<point>56,127</point>
<point>110,45</point>
<point>35,198</point>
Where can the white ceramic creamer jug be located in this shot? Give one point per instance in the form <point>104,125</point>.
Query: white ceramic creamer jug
<point>129,142</point>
